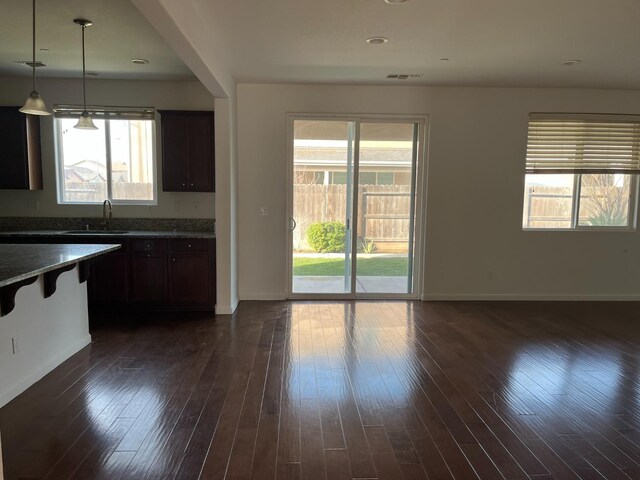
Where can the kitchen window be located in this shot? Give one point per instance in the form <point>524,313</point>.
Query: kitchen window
<point>115,162</point>
<point>581,172</point>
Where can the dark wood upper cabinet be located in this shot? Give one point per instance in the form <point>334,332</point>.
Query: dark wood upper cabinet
<point>20,158</point>
<point>188,151</point>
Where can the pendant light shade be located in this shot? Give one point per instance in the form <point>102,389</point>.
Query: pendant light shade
<point>84,122</point>
<point>35,104</point>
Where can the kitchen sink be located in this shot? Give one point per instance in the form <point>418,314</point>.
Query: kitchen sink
<point>97,232</point>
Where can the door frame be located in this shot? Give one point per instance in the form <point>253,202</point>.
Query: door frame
<point>422,165</point>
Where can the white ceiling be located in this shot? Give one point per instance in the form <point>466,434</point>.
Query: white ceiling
<point>119,33</point>
<point>488,42</point>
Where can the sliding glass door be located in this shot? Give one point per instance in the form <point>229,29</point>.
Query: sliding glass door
<point>386,206</point>
<point>353,202</point>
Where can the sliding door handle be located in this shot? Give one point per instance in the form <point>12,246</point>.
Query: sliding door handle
<point>292,224</point>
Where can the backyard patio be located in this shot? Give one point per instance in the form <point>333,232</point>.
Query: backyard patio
<point>325,273</point>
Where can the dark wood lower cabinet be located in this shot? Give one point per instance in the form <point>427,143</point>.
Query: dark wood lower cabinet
<point>189,277</point>
<point>147,274</point>
<point>149,278</point>
<point>109,281</point>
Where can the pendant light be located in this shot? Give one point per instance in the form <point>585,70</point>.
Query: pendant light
<point>84,122</point>
<point>34,104</point>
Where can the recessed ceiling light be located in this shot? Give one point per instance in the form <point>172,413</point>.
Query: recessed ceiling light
<point>91,74</point>
<point>377,40</point>
<point>570,63</point>
<point>44,49</point>
<point>444,59</point>
<point>139,61</point>
<point>395,2</point>
<point>403,76</point>
<point>30,64</point>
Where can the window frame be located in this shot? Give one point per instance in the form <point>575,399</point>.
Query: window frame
<point>59,160</point>
<point>575,210</point>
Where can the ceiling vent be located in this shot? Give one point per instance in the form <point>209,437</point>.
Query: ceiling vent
<point>30,64</point>
<point>403,76</point>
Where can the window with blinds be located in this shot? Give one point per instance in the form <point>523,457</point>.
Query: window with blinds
<point>581,171</point>
<point>115,162</point>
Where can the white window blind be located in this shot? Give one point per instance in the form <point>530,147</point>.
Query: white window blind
<point>103,113</point>
<point>583,143</point>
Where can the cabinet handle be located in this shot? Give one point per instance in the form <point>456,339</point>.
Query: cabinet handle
<point>184,184</point>
<point>148,255</point>
<point>189,245</point>
<point>192,184</point>
<point>174,259</point>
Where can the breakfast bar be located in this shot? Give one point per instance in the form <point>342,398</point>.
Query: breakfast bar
<point>43,309</point>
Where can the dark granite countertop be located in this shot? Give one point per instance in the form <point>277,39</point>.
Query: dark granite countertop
<point>101,234</point>
<point>19,262</point>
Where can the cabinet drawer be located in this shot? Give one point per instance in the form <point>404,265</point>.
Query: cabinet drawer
<point>150,245</point>
<point>190,245</point>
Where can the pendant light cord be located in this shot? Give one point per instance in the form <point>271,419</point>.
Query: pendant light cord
<point>84,75</point>
<point>33,66</point>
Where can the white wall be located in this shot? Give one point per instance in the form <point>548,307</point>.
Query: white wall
<point>226,206</point>
<point>476,150</point>
<point>185,95</point>
<point>49,331</point>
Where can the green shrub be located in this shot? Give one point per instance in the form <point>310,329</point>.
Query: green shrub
<point>609,220</point>
<point>327,237</point>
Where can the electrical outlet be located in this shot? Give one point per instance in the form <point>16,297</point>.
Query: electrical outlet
<point>490,275</point>
<point>14,345</point>
<point>196,206</point>
<point>264,211</point>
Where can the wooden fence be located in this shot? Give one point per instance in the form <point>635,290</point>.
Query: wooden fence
<point>550,207</point>
<point>383,215</point>
<point>97,192</point>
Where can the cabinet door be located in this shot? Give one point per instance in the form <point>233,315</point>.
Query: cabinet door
<point>189,279</point>
<point>21,165</point>
<point>201,153</point>
<point>149,277</point>
<point>14,172</point>
<point>175,152</point>
<point>110,278</point>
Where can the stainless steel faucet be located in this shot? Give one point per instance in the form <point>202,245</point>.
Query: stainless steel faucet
<point>107,213</point>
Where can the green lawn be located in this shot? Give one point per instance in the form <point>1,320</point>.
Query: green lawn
<point>375,266</point>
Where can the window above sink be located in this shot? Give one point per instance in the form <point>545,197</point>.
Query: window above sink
<point>115,162</point>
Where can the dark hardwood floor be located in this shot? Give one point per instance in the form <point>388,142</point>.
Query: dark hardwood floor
<point>342,390</point>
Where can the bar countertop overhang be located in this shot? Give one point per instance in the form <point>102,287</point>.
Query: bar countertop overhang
<point>21,261</point>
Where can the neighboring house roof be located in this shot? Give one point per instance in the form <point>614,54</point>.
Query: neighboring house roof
<point>89,171</point>
<point>82,174</point>
<point>336,156</point>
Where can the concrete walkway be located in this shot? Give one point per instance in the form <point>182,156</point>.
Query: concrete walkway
<point>364,284</point>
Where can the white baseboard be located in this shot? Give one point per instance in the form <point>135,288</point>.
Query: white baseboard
<point>227,309</point>
<point>8,394</point>
<point>527,297</point>
<point>264,296</point>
